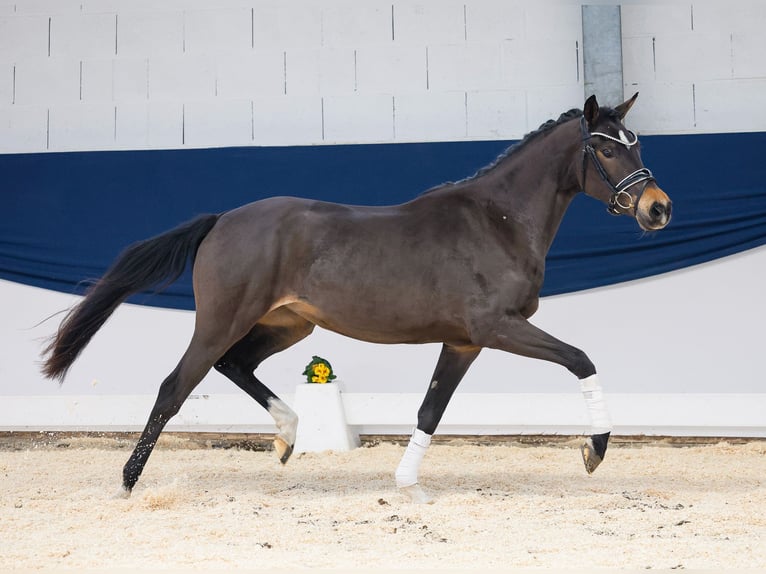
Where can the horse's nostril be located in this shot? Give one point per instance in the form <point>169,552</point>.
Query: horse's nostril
<point>657,210</point>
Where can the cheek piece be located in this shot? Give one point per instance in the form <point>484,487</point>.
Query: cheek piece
<point>620,201</point>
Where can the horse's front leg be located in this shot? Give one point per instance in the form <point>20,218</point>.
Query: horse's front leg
<point>517,335</point>
<point>452,365</point>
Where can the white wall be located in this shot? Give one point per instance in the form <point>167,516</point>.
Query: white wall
<point>698,65</point>
<point>117,74</point>
<point>123,74</point>
<point>676,352</point>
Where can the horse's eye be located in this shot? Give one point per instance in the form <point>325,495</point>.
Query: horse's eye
<point>607,152</point>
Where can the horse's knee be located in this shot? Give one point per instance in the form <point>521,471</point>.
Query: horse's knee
<point>579,364</point>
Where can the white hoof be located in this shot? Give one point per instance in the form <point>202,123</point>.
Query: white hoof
<point>416,494</point>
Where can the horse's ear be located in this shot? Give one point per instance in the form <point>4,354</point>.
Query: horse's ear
<point>624,107</point>
<point>590,111</point>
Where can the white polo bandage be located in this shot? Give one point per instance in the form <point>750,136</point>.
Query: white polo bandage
<point>594,399</point>
<point>407,471</point>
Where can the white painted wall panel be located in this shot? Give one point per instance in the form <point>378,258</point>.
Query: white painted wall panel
<point>536,62</point>
<point>97,81</point>
<point>80,125</point>
<point>23,128</point>
<point>183,78</point>
<point>47,7</point>
<point>48,81</point>
<point>260,72</point>
<point>429,22</point>
<point>394,69</point>
<point>693,56</point>
<point>141,34</point>
<point>130,80</point>
<point>713,99</point>
<point>218,122</point>
<point>662,107</point>
<point>496,115</point>
<point>212,31</point>
<point>320,71</point>
<point>494,21</point>
<point>550,102</point>
<point>7,80</point>
<point>121,80</point>
<point>287,120</point>
<point>560,21</point>
<point>651,19</point>
<point>149,124</point>
<point>638,61</point>
<point>748,51</point>
<point>287,24</point>
<point>355,24</point>
<point>366,118</point>
<point>83,35</point>
<point>730,17</point>
<point>23,37</point>
<point>461,67</point>
<point>435,116</point>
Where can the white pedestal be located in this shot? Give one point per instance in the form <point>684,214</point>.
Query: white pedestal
<point>321,419</point>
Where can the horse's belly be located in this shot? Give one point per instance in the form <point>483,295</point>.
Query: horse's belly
<point>384,325</point>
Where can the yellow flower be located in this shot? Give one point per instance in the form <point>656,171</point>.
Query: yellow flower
<point>321,373</point>
<point>318,370</point>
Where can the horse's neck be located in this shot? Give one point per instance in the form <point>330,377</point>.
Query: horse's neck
<point>535,186</point>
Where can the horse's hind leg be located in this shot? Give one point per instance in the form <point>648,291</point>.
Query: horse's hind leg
<point>450,369</point>
<point>281,330</point>
<point>175,389</point>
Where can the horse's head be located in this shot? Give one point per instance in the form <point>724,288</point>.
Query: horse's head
<point>612,170</point>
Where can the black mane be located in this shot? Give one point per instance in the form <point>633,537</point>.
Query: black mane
<point>518,146</point>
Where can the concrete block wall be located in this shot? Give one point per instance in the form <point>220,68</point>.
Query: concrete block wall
<point>125,74</point>
<point>699,66</point>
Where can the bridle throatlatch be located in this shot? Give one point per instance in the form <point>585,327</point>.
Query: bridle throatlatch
<point>621,198</point>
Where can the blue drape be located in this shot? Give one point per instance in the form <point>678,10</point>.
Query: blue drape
<point>65,216</point>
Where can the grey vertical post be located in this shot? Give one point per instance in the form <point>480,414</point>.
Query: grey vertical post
<point>602,53</point>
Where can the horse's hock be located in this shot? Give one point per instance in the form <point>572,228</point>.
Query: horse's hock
<point>322,419</point>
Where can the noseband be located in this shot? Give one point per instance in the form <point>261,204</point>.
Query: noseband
<point>620,198</point>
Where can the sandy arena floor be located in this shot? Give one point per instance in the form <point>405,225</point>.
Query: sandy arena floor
<point>497,506</point>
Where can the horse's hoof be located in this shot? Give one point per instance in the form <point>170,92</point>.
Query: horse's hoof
<point>593,451</point>
<point>123,493</point>
<point>283,449</point>
<point>589,456</point>
<point>416,494</point>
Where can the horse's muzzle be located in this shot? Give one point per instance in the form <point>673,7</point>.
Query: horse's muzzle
<point>654,208</point>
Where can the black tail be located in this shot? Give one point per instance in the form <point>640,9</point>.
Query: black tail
<point>155,262</point>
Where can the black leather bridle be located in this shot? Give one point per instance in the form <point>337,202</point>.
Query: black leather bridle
<point>620,198</point>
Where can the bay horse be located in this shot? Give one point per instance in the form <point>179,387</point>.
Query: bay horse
<point>461,264</point>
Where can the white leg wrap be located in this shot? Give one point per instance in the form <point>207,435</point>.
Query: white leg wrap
<point>285,419</point>
<point>407,471</point>
<point>594,399</point>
